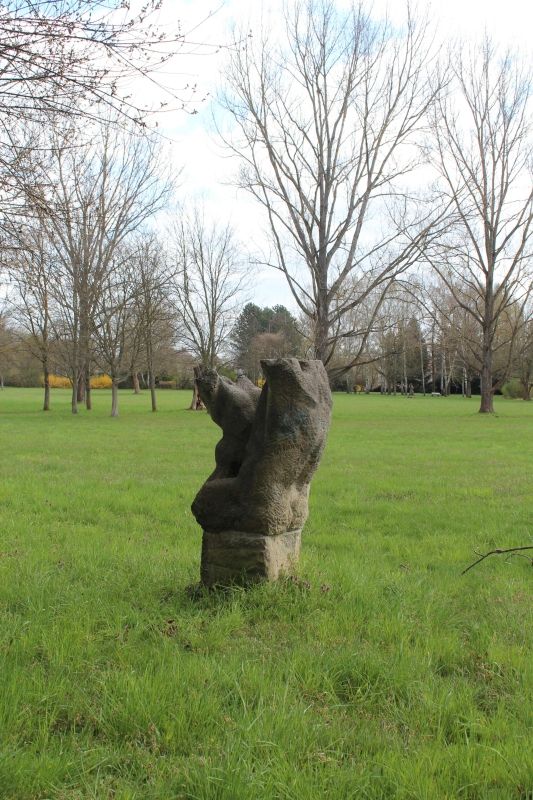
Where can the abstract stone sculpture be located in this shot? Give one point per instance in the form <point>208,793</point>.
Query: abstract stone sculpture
<point>253,506</point>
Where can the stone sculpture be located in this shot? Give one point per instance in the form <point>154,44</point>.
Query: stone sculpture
<point>253,506</point>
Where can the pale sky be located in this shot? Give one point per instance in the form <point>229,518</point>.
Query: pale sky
<point>206,169</point>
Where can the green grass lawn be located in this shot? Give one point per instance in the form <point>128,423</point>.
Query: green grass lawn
<point>380,672</point>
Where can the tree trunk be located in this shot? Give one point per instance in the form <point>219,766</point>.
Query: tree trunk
<point>321,346</point>
<point>74,402</point>
<point>153,396</point>
<point>433,368</point>
<point>85,382</point>
<point>422,374</point>
<point>196,402</point>
<point>487,398</point>
<point>114,398</point>
<point>80,389</point>
<point>46,382</point>
<point>151,372</point>
<point>487,394</point>
<point>1,380</point>
<point>135,381</point>
<point>88,391</point>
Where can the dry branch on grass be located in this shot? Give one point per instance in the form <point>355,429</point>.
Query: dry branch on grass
<point>511,550</point>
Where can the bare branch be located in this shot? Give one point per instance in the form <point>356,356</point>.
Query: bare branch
<point>497,551</point>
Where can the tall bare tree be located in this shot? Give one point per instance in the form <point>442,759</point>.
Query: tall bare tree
<point>326,122</point>
<point>482,149</point>
<point>207,287</point>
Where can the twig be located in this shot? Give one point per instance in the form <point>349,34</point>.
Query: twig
<point>498,551</point>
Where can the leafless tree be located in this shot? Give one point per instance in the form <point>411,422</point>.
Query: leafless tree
<point>114,322</point>
<point>482,149</point>
<point>89,200</point>
<point>326,123</point>
<point>30,269</point>
<point>155,316</point>
<point>207,287</point>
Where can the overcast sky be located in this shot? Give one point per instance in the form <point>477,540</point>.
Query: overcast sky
<point>207,171</point>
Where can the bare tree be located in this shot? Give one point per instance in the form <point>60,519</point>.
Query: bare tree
<point>326,123</point>
<point>30,268</point>
<point>207,286</point>
<point>482,149</point>
<point>114,322</point>
<point>155,316</point>
<point>90,199</point>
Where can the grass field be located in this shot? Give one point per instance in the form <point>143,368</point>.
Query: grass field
<point>380,672</point>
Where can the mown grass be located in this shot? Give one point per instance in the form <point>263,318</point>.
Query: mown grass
<point>379,673</point>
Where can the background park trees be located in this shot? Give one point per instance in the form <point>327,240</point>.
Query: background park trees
<point>101,193</point>
<point>335,126</point>
<point>87,201</point>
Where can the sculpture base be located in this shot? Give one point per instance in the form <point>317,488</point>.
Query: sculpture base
<point>236,557</point>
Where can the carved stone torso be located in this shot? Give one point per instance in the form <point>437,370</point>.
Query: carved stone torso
<point>271,445</point>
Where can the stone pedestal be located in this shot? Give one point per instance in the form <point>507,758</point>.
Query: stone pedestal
<point>241,557</point>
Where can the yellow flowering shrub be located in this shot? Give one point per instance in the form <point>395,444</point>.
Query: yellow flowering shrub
<point>101,382</point>
<point>61,382</point>
<point>57,382</point>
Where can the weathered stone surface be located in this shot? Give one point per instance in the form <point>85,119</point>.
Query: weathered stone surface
<point>232,406</point>
<point>237,557</point>
<point>271,445</point>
